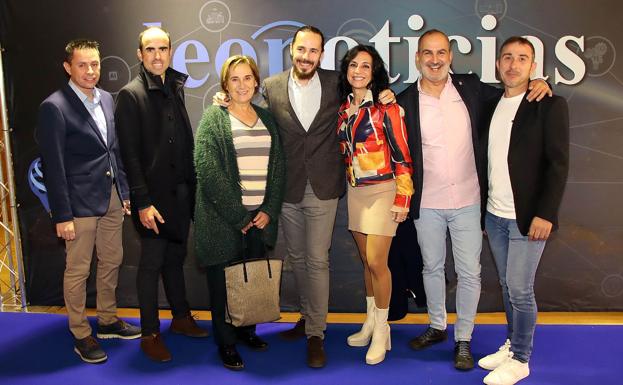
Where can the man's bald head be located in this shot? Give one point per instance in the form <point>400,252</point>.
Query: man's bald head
<point>150,33</point>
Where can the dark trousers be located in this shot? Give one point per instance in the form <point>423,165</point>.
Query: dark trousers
<point>163,257</point>
<point>224,333</point>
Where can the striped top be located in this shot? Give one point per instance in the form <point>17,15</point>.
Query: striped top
<point>252,146</point>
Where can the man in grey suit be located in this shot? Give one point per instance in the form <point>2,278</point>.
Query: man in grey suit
<point>304,101</point>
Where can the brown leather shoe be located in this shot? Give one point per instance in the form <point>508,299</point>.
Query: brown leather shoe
<point>316,358</point>
<point>153,346</point>
<point>187,326</point>
<point>297,332</point>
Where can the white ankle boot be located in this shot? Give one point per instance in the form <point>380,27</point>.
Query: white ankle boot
<point>362,337</point>
<point>381,338</point>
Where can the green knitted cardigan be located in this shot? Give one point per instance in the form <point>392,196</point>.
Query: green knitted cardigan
<point>219,213</point>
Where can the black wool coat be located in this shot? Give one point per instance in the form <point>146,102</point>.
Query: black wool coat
<point>146,130</point>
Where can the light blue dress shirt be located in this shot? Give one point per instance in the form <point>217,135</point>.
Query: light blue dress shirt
<point>95,109</point>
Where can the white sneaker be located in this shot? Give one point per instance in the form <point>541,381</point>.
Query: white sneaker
<point>509,373</point>
<point>496,359</point>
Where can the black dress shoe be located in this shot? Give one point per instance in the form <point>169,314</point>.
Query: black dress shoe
<point>463,359</point>
<point>429,337</point>
<point>298,331</point>
<point>230,357</point>
<point>253,341</point>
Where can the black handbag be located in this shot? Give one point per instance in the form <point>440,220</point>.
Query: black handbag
<point>253,284</point>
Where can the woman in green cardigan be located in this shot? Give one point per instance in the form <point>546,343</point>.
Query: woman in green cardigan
<point>240,185</point>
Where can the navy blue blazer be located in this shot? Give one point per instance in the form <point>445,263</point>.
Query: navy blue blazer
<point>76,160</point>
<point>475,95</point>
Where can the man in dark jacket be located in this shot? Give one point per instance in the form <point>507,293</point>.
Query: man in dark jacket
<point>86,184</point>
<point>156,142</point>
<point>526,153</point>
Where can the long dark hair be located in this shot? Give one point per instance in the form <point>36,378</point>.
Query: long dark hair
<point>380,77</point>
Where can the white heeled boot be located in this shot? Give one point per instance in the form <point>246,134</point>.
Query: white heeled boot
<point>381,338</point>
<point>362,337</point>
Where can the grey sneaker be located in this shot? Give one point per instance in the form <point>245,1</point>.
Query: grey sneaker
<point>89,350</point>
<point>119,329</point>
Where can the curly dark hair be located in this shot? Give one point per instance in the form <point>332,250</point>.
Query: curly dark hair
<point>380,77</point>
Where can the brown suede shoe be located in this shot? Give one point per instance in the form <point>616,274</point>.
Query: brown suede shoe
<point>187,326</point>
<point>316,358</point>
<point>297,332</point>
<point>153,346</point>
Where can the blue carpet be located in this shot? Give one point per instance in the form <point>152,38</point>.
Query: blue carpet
<point>36,349</point>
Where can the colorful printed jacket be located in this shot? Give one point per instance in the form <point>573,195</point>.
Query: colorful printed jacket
<point>374,142</point>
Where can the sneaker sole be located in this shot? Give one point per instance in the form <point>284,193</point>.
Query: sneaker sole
<point>88,360</point>
<point>104,336</point>
<point>488,367</point>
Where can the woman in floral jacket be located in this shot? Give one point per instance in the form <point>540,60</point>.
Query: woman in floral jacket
<point>373,139</point>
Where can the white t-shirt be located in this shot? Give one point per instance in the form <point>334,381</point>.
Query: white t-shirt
<point>501,201</point>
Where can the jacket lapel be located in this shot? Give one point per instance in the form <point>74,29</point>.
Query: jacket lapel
<point>412,114</point>
<point>323,99</point>
<point>468,100</point>
<point>82,110</point>
<point>517,130</point>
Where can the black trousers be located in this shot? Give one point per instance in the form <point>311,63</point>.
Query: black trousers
<point>163,257</point>
<point>224,333</point>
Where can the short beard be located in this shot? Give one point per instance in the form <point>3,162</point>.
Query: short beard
<point>304,75</point>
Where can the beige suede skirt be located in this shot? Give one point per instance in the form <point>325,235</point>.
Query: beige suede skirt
<point>369,208</point>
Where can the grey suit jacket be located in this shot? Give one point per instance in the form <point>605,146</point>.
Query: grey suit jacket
<point>314,154</point>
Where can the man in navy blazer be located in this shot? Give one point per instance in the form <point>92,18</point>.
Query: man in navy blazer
<point>86,188</point>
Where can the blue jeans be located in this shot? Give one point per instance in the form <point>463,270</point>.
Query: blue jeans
<point>466,236</point>
<point>516,259</point>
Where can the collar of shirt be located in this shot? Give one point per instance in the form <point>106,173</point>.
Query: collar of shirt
<point>367,100</point>
<point>83,97</point>
<point>448,87</point>
<point>94,108</point>
<point>315,80</point>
